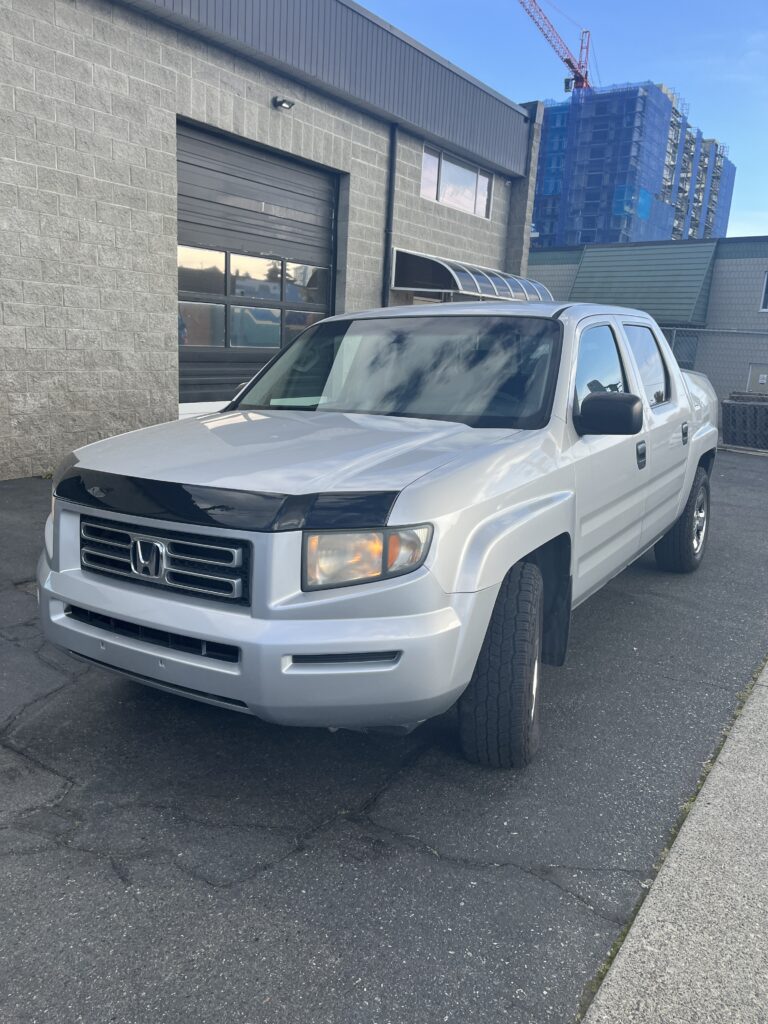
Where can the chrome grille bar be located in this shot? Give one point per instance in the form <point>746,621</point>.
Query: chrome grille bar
<point>211,567</point>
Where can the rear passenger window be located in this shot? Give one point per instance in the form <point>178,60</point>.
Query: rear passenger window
<point>653,372</point>
<point>598,367</point>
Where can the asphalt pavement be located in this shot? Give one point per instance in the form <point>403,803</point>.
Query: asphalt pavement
<point>167,861</point>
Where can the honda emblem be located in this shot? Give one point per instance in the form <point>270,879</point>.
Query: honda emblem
<point>147,558</point>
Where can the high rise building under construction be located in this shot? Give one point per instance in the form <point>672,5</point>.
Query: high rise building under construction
<point>623,164</point>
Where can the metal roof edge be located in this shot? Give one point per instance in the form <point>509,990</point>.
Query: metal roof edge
<point>444,62</point>
<point>180,22</point>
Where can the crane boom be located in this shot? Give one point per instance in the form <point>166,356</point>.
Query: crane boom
<point>578,66</point>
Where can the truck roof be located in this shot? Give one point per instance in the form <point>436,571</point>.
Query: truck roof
<point>573,310</point>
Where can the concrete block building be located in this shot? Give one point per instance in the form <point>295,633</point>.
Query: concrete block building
<point>185,186</point>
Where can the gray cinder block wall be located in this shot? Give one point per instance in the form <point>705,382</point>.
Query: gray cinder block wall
<point>426,226</point>
<point>90,93</point>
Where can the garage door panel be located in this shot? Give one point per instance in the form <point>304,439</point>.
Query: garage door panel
<point>237,198</point>
<point>208,185</point>
<point>263,219</point>
<point>272,236</point>
<point>249,192</point>
<point>235,159</point>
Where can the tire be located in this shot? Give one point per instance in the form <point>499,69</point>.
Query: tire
<point>499,710</point>
<point>681,549</point>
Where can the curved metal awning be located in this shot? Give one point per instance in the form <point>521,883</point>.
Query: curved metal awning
<point>415,272</point>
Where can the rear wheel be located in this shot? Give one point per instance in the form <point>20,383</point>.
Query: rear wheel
<point>681,549</point>
<point>499,710</point>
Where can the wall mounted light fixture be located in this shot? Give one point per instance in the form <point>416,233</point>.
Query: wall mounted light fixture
<point>281,103</point>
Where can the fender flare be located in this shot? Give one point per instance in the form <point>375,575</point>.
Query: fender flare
<point>503,539</point>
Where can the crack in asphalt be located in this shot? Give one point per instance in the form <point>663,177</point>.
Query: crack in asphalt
<point>360,816</point>
<point>119,862</point>
<point>540,872</point>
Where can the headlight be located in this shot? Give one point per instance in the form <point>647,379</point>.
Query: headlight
<point>337,558</point>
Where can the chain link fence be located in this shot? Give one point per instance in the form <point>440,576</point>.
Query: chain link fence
<point>736,363</point>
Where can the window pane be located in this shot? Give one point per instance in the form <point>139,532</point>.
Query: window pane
<point>200,270</point>
<point>297,320</point>
<point>457,185</point>
<point>254,277</point>
<point>598,367</point>
<point>251,327</point>
<point>201,323</point>
<point>483,198</point>
<point>653,373</point>
<point>306,284</point>
<point>429,168</point>
<point>764,305</point>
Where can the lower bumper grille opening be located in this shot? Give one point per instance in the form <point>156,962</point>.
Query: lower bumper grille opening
<point>156,637</point>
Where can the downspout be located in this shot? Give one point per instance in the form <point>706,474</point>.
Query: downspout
<point>389,218</point>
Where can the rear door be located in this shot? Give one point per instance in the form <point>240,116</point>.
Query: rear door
<point>610,478</point>
<point>666,420</point>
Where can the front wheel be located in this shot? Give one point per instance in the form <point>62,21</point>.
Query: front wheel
<point>499,710</point>
<point>681,549</point>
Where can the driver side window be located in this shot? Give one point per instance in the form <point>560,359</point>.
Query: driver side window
<point>598,367</point>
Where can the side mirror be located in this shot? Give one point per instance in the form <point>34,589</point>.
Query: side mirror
<point>609,412</point>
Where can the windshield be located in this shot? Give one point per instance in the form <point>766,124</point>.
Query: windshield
<point>486,371</point>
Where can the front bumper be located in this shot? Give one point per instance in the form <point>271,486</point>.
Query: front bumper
<point>435,649</point>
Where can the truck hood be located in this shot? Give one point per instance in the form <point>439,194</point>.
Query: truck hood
<point>288,452</point>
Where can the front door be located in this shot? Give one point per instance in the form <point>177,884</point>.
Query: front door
<point>609,471</point>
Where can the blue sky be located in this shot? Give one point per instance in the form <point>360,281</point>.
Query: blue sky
<point>713,53</point>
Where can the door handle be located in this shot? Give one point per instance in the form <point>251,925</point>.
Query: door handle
<point>685,433</point>
<point>641,453</point>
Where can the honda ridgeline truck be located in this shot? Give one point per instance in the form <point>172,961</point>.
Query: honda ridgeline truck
<point>396,515</point>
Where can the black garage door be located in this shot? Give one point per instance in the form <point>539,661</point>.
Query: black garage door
<point>256,258</point>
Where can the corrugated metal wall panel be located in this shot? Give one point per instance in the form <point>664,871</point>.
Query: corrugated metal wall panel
<point>348,52</point>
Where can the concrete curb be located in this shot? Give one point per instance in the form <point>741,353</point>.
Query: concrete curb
<point>697,952</point>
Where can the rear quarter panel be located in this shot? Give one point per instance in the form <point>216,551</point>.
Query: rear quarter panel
<point>703,434</point>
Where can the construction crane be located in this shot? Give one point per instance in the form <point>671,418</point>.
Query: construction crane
<point>579,67</point>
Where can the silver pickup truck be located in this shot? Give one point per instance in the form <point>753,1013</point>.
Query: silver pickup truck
<point>397,515</point>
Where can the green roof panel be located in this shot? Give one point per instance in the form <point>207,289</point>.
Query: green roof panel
<point>671,282</point>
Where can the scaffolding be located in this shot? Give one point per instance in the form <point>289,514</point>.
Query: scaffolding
<point>623,164</point>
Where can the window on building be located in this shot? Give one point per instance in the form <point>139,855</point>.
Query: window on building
<point>598,367</point>
<point>452,182</point>
<point>653,372</point>
<point>233,300</point>
<point>764,303</point>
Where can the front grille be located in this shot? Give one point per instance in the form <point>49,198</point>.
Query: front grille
<point>157,637</point>
<point>199,565</point>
